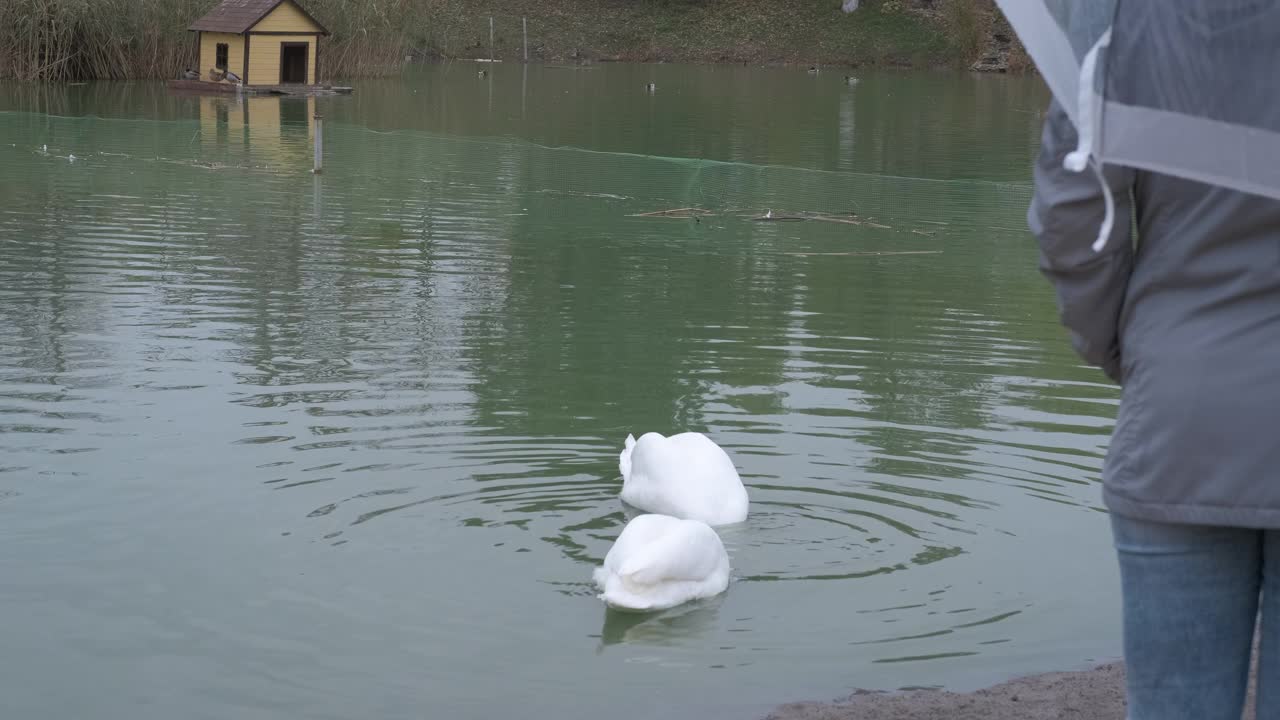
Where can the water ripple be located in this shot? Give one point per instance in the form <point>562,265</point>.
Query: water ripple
<point>408,381</point>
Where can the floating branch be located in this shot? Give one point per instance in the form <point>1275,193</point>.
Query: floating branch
<point>686,212</point>
<point>866,253</point>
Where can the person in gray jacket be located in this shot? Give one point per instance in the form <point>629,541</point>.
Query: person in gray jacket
<point>1186,318</point>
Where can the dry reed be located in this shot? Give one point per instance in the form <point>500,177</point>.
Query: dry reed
<point>59,40</point>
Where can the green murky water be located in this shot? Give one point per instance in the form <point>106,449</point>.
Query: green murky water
<point>276,445</point>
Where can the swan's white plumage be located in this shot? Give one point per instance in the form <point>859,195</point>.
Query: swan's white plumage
<point>660,561</point>
<point>685,476</point>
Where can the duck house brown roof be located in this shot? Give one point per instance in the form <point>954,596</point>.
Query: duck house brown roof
<point>238,16</point>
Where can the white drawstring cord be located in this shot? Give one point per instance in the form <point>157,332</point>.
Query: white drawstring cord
<point>1088,121</point>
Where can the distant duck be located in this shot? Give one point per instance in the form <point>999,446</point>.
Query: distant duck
<point>190,74</point>
<point>850,80</point>
<point>686,476</point>
<point>651,87</point>
<point>44,149</point>
<point>659,562</point>
<point>71,158</point>
<point>482,73</point>
<point>768,215</point>
<point>813,69</point>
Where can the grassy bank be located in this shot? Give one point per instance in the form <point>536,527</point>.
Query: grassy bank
<point>756,31</point>
<point>65,40</point>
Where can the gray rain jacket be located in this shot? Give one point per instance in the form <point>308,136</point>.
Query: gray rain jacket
<point>1186,316</point>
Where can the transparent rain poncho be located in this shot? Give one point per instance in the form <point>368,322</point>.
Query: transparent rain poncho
<point>1149,84</point>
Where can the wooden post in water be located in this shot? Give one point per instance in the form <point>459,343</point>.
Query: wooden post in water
<point>525,22</point>
<point>490,38</point>
<point>319,143</point>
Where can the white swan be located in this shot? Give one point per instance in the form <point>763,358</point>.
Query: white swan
<point>659,562</point>
<point>685,476</point>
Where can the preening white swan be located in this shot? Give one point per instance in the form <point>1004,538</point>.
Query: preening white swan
<point>659,562</point>
<point>685,476</point>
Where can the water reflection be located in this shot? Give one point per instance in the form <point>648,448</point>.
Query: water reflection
<point>674,626</point>
<point>932,125</point>
<point>272,130</point>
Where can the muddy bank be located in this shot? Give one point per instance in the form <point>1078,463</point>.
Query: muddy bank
<point>1096,694</point>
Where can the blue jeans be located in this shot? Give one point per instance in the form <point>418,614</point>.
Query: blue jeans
<point>1192,596</point>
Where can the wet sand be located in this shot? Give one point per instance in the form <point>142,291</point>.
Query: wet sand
<point>1096,694</point>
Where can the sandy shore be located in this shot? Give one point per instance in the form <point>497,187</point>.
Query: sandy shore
<point>1096,694</point>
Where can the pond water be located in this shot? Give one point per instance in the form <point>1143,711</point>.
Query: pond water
<point>283,445</point>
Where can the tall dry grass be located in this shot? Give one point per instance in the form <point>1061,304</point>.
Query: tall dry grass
<point>69,39</point>
<point>114,39</point>
<point>369,37</point>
